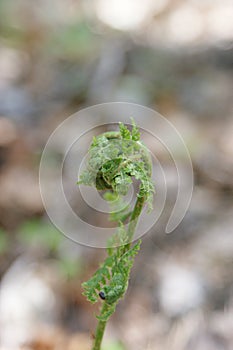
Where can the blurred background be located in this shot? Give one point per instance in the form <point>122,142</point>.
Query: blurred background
<point>59,56</point>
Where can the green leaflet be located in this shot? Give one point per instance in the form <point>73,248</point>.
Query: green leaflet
<point>111,278</point>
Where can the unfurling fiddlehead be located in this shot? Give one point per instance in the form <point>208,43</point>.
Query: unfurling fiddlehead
<point>115,159</point>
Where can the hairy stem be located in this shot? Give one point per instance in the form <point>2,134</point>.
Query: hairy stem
<point>100,329</point>
<point>131,229</point>
<point>134,218</point>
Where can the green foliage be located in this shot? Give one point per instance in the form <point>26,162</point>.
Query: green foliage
<point>4,242</point>
<point>111,279</point>
<point>113,346</point>
<point>69,268</point>
<point>74,41</point>
<point>40,232</point>
<point>116,159</point>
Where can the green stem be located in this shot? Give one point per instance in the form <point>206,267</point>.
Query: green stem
<point>131,229</point>
<point>134,220</point>
<point>135,216</point>
<point>100,329</point>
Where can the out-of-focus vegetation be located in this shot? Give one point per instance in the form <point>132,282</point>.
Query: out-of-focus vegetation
<point>59,56</point>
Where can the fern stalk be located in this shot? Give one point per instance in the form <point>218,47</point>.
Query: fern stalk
<point>134,219</point>
<point>100,328</point>
<point>115,159</point>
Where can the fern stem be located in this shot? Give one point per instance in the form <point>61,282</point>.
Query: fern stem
<point>100,328</point>
<point>134,220</point>
<point>131,229</point>
<point>110,167</point>
<point>135,216</point>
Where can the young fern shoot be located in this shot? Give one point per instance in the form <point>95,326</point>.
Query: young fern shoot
<point>116,158</point>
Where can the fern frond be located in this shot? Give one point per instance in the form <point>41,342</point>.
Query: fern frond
<point>111,279</point>
<point>115,159</point>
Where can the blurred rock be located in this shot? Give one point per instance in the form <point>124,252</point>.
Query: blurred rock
<point>208,94</point>
<point>180,290</point>
<point>226,140</point>
<point>8,132</point>
<point>222,323</point>
<point>57,339</point>
<point>207,341</point>
<point>215,165</point>
<point>13,64</point>
<point>27,300</point>
<point>16,102</point>
<point>20,195</point>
